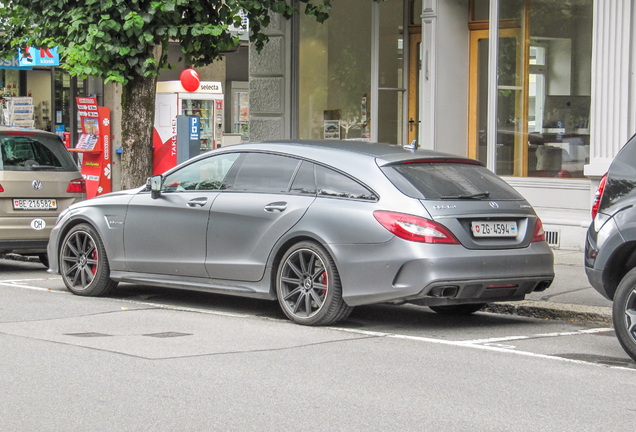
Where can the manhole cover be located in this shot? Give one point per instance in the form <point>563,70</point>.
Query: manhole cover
<point>168,334</point>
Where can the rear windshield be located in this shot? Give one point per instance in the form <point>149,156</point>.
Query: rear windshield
<point>34,153</point>
<point>437,181</point>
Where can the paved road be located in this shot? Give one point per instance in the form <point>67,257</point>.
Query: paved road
<point>154,359</point>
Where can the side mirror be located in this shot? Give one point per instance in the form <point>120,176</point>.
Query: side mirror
<point>156,182</point>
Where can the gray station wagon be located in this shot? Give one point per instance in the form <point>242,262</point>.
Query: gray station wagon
<point>320,226</point>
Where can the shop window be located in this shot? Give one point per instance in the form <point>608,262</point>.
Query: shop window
<point>335,73</point>
<point>543,88</point>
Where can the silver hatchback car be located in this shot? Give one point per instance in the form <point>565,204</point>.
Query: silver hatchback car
<point>320,226</point>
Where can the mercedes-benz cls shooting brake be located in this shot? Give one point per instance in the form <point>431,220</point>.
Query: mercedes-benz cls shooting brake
<point>320,226</point>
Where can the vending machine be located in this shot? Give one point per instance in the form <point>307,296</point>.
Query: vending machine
<point>206,102</point>
<point>94,144</point>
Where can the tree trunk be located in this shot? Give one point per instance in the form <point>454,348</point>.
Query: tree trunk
<point>138,116</point>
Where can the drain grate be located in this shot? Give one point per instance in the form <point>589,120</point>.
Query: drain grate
<point>87,335</point>
<point>168,334</point>
<point>553,238</point>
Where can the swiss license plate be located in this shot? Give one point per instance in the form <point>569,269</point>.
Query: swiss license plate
<point>494,229</point>
<point>34,204</point>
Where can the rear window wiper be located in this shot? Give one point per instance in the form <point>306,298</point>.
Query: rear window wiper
<point>467,196</point>
<point>43,167</point>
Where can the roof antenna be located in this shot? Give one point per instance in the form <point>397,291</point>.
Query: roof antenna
<point>412,146</point>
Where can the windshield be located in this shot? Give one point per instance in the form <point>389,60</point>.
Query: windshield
<point>438,181</point>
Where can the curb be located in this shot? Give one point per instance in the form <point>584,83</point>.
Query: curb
<point>556,311</point>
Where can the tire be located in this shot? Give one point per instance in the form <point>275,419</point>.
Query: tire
<point>84,264</point>
<point>44,259</point>
<point>460,309</point>
<point>308,286</point>
<point>624,313</point>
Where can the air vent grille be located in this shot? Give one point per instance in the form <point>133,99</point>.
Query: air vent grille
<point>553,238</point>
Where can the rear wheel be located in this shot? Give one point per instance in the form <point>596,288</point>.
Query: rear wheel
<point>461,309</point>
<point>83,262</point>
<point>308,286</point>
<point>624,313</point>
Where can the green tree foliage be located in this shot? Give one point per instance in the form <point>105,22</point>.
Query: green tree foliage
<point>126,41</point>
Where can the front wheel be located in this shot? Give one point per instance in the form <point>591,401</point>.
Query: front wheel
<point>460,309</point>
<point>83,262</point>
<point>624,313</point>
<point>308,286</point>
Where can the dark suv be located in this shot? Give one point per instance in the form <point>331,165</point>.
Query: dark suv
<point>610,249</point>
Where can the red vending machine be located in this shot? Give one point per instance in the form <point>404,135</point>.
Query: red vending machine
<point>94,144</point>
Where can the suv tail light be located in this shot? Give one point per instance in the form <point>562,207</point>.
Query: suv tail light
<point>539,233</point>
<point>77,186</point>
<point>599,195</point>
<point>414,228</point>
<point>1,190</point>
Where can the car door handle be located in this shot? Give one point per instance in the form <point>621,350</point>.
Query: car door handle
<point>276,206</point>
<point>197,202</point>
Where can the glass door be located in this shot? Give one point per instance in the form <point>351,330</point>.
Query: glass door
<point>415,67</point>
<point>511,126</point>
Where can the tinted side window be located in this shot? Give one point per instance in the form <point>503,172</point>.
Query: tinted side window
<point>305,181</point>
<point>333,184</point>
<point>261,172</point>
<point>205,174</point>
<point>22,153</point>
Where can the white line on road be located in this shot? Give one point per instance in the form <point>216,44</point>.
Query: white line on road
<point>480,344</point>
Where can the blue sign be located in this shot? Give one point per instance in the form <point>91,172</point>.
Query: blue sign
<point>32,57</point>
<point>194,128</point>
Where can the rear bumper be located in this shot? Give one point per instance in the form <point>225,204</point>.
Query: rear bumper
<point>24,246</point>
<point>440,274</point>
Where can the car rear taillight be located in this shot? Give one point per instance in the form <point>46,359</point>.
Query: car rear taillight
<point>599,195</point>
<point>414,228</point>
<point>77,186</point>
<point>1,190</point>
<point>539,233</point>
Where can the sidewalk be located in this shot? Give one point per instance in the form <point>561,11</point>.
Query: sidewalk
<point>571,297</point>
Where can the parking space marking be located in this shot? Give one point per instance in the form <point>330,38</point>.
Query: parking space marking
<point>540,335</point>
<point>480,344</point>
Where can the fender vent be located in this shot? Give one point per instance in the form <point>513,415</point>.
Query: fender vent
<point>553,238</point>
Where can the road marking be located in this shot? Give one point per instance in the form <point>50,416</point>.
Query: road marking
<point>541,335</point>
<point>480,344</point>
<point>470,344</point>
<point>17,284</point>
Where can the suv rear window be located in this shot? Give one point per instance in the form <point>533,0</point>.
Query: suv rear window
<point>34,153</point>
<point>441,180</point>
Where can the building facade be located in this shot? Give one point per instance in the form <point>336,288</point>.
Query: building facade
<point>553,80</point>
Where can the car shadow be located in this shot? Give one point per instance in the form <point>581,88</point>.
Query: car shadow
<point>380,317</point>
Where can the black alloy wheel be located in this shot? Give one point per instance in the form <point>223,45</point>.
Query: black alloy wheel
<point>308,286</point>
<point>624,313</point>
<point>83,262</point>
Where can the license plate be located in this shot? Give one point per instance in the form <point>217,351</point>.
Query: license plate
<point>494,229</point>
<point>34,204</point>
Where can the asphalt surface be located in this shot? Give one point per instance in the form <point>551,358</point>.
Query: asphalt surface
<point>569,298</point>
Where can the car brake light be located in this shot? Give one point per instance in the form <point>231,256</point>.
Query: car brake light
<point>414,228</point>
<point>77,186</point>
<point>1,190</point>
<point>599,195</point>
<point>539,233</point>
<point>20,133</point>
<point>443,160</point>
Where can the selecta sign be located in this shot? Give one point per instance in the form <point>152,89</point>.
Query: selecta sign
<point>32,57</point>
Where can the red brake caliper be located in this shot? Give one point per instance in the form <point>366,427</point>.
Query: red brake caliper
<point>94,269</point>
<point>324,281</point>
